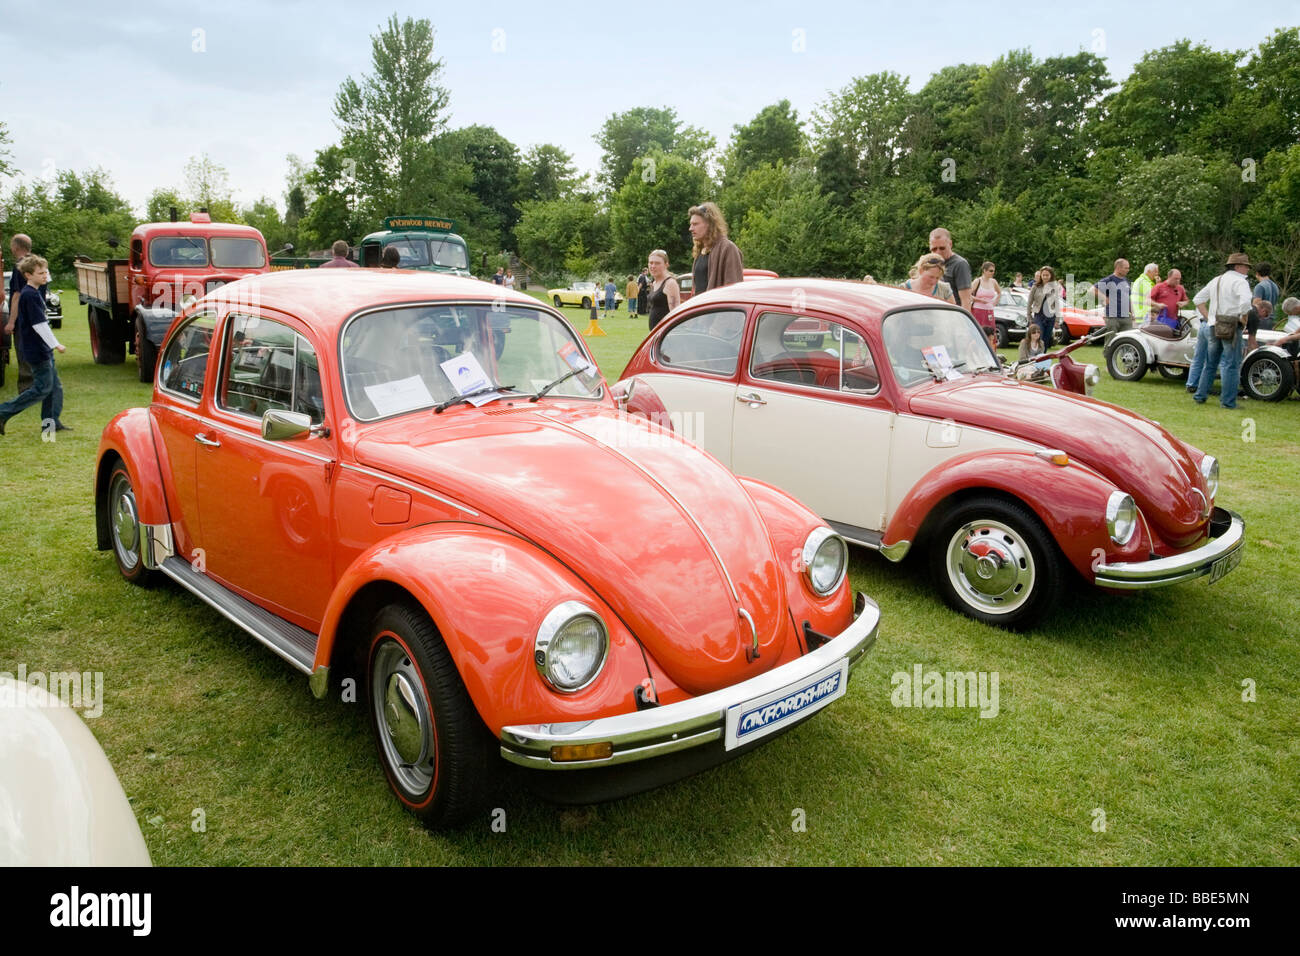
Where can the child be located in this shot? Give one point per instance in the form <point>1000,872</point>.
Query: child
<point>37,345</point>
<point>611,296</point>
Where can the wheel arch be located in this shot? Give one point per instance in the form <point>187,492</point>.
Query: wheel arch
<point>128,439</point>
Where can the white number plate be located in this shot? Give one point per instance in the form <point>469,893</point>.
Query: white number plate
<point>1225,564</point>
<point>765,715</point>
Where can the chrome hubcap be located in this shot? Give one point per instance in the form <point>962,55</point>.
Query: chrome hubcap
<point>1265,377</point>
<point>404,716</point>
<point>990,566</point>
<point>126,522</point>
<point>1126,359</point>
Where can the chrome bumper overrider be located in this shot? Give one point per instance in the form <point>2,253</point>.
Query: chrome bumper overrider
<point>688,723</point>
<point>1156,573</point>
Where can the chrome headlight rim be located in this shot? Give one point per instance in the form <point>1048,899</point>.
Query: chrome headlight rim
<point>552,626</point>
<point>1121,517</point>
<point>1210,472</point>
<point>1091,377</point>
<point>817,539</point>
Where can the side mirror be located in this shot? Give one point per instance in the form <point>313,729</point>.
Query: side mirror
<point>279,424</point>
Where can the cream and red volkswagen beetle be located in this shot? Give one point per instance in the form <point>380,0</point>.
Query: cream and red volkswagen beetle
<point>422,480</point>
<point>898,428</point>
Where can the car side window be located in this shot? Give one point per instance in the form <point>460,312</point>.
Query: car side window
<point>709,342</point>
<point>185,363</point>
<point>818,353</point>
<point>267,366</point>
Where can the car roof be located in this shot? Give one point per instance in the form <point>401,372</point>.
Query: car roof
<point>325,298</point>
<point>861,299</point>
<point>197,228</point>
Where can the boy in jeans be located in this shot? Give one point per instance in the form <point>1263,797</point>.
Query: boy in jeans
<point>36,344</point>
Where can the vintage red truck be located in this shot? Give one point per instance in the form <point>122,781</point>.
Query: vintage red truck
<point>130,303</point>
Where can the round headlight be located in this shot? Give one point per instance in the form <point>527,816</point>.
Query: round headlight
<point>1210,472</point>
<point>1091,376</point>
<point>52,300</point>
<point>825,559</point>
<point>570,647</point>
<point>1121,517</point>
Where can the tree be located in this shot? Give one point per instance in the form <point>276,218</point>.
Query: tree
<point>803,233</point>
<point>6,169</point>
<point>866,118</point>
<point>1271,223</point>
<point>265,218</point>
<point>757,189</point>
<point>547,230</point>
<point>638,132</point>
<point>75,214</point>
<point>389,120</point>
<point>546,172</point>
<point>208,187</point>
<point>774,136</point>
<point>649,210</point>
<point>493,162</point>
<point>160,204</point>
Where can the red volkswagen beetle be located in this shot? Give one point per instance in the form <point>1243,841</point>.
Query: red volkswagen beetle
<point>899,429</point>
<point>421,481</point>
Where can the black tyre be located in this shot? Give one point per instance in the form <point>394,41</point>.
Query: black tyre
<point>1175,373</point>
<point>105,346</point>
<point>438,757</point>
<point>586,303</point>
<point>146,354</point>
<point>124,526</point>
<point>1004,336</point>
<point>558,304</point>
<point>1267,377</point>
<point>1126,361</point>
<point>1062,334</point>
<point>994,561</point>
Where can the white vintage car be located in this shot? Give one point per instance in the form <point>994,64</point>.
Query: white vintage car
<point>1134,352</point>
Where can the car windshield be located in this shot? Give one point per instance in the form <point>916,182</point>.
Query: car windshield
<point>448,254</point>
<point>178,252</point>
<point>925,345</point>
<point>402,359</point>
<point>237,253</point>
<point>584,286</point>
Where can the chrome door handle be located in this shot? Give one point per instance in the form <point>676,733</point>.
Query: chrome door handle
<point>205,440</point>
<point>753,399</point>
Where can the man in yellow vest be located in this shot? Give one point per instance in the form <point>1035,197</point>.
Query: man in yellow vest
<point>1142,293</point>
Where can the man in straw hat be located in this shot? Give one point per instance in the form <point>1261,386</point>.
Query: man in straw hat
<point>1227,297</point>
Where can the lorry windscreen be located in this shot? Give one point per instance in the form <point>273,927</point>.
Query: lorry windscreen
<point>237,253</point>
<point>178,252</point>
<point>449,254</point>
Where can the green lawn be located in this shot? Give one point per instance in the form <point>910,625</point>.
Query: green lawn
<point>1128,706</point>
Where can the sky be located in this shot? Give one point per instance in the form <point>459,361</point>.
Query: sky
<point>139,88</point>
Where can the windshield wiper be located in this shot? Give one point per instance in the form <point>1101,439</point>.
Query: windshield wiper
<point>559,381</point>
<point>459,399</point>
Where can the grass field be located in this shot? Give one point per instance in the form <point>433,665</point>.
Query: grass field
<point>1126,711</point>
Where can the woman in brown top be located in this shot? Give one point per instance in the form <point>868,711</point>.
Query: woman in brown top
<point>718,261</point>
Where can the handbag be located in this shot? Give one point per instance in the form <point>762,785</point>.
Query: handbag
<point>1226,327</point>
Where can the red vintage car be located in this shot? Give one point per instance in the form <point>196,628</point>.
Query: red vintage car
<point>421,482</point>
<point>902,433</point>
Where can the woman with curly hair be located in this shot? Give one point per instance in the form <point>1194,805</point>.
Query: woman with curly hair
<point>718,261</point>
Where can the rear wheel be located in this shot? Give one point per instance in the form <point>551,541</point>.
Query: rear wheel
<point>994,561</point>
<point>1004,336</point>
<point>1267,377</point>
<point>1126,362</point>
<point>1175,373</point>
<point>558,303</point>
<point>124,526</point>
<point>1062,334</point>
<point>439,759</point>
<point>105,346</point>
<point>146,353</point>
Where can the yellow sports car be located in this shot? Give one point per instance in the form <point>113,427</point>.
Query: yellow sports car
<point>582,295</point>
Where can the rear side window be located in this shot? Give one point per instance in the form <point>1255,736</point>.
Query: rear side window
<point>709,342</point>
<point>185,363</point>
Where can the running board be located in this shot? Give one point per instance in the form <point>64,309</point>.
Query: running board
<point>856,535</point>
<point>291,642</point>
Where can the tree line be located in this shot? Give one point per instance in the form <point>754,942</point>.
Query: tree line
<point>1027,162</point>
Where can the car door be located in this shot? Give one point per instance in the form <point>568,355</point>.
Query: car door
<point>811,419</point>
<point>182,382</point>
<point>265,505</point>
<point>699,356</point>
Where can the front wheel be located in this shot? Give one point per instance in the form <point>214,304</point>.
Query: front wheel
<point>586,303</point>
<point>558,303</point>
<point>1126,361</point>
<point>1267,377</point>
<point>436,753</point>
<point>994,561</point>
<point>1004,336</point>
<point>124,526</point>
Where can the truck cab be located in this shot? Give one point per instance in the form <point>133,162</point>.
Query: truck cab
<point>426,243</point>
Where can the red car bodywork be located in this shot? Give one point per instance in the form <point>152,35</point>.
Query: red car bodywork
<point>1106,449</point>
<point>485,518</point>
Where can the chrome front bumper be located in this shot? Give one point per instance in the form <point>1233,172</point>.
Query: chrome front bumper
<point>1227,547</point>
<point>689,723</point>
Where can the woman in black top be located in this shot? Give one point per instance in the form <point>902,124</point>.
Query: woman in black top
<point>664,293</point>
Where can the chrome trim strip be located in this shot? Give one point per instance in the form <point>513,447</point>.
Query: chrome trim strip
<point>717,556</point>
<point>231,426</point>
<point>688,723</point>
<point>158,545</point>
<point>409,486</point>
<point>1135,575</point>
<point>897,551</point>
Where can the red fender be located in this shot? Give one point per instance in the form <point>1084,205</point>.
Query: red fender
<point>1069,499</point>
<point>789,524</point>
<point>488,591</point>
<point>130,437</point>
<point>643,402</point>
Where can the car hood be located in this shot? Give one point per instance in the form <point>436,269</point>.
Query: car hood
<point>1136,454</point>
<point>657,527</point>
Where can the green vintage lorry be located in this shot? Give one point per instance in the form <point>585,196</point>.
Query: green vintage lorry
<point>427,243</point>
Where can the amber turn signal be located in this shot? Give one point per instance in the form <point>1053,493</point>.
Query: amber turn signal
<point>1055,457</point>
<point>569,752</point>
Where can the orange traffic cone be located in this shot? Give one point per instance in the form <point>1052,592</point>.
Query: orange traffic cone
<point>594,328</point>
